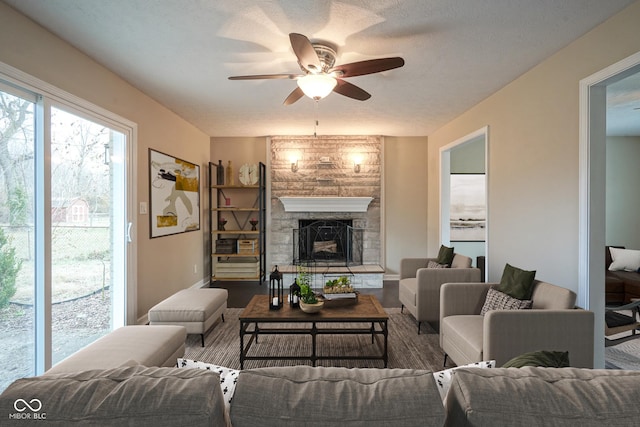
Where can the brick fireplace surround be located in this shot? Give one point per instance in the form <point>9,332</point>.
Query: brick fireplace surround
<point>325,168</point>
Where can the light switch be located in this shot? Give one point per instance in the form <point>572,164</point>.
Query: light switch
<point>143,208</point>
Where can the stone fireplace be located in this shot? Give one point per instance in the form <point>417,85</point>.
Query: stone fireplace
<point>328,190</point>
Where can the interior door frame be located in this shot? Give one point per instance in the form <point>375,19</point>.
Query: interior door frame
<point>445,186</point>
<point>592,197</point>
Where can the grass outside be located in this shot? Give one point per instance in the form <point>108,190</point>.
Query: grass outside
<point>80,293</point>
<point>80,262</point>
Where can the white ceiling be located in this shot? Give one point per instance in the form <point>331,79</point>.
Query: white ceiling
<point>181,52</point>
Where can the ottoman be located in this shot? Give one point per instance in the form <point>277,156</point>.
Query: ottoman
<point>195,309</point>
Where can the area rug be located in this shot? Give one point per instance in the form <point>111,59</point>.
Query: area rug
<point>625,355</point>
<point>407,349</point>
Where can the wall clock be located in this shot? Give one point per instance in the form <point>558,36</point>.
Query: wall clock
<point>248,174</point>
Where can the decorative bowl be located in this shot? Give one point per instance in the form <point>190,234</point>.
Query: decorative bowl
<point>311,308</point>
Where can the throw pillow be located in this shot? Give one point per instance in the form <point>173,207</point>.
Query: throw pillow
<point>443,378</point>
<point>228,377</point>
<point>445,255</point>
<point>497,300</point>
<point>516,282</point>
<point>624,259</point>
<point>542,359</point>
<point>434,264</point>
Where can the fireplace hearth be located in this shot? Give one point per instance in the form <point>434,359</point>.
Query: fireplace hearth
<point>333,242</point>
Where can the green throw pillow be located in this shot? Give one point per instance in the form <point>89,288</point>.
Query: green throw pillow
<point>445,255</point>
<point>517,283</point>
<point>542,359</point>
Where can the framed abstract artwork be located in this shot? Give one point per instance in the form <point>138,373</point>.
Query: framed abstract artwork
<point>468,209</point>
<point>174,195</point>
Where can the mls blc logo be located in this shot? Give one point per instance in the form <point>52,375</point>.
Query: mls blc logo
<point>28,410</point>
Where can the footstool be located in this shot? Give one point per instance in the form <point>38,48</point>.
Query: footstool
<point>195,309</point>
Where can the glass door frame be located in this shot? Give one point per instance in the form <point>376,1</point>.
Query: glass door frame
<point>48,96</point>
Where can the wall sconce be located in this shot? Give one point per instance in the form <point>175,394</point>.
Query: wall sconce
<point>357,161</point>
<point>294,163</point>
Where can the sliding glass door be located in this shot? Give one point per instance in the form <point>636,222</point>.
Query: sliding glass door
<point>86,221</point>
<point>17,234</point>
<point>64,229</point>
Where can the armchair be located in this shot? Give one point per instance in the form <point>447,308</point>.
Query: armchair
<point>419,287</point>
<point>552,324</point>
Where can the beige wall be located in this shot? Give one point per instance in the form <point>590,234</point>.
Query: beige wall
<point>405,200</point>
<point>239,150</point>
<point>165,264</point>
<point>533,155</point>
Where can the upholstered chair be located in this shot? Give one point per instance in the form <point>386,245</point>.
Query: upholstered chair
<point>419,286</point>
<point>552,323</point>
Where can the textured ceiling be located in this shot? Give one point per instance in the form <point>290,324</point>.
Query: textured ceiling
<point>181,52</point>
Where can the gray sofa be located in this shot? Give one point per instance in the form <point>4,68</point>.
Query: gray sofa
<point>419,286</point>
<point>302,395</point>
<point>553,323</point>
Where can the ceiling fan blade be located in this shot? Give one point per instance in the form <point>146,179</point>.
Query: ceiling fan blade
<point>294,96</point>
<point>368,67</point>
<point>307,56</point>
<point>265,76</point>
<point>351,91</point>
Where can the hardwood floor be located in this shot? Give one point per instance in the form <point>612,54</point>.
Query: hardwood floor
<point>241,292</point>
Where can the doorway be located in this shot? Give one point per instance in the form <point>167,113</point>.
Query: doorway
<point>464,194</point>
<point>592,202</point>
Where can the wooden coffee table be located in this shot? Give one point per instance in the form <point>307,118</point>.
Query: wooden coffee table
<point>366,310</point>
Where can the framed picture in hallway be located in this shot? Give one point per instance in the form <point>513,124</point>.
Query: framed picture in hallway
<point>174,195</point>
<point>468,207</point>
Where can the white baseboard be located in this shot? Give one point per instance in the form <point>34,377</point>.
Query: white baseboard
<point>391,277</point>
<point>200,284</point>
<point>144,320</point>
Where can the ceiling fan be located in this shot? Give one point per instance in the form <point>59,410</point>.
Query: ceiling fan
<point>320,77</point>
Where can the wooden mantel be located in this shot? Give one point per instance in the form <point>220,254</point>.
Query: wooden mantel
<point>326,204</point>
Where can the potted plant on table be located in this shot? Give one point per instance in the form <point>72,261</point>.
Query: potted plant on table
<point>309,302</point>
<point>341,285</point>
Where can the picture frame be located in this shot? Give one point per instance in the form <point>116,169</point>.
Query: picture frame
<point>467,208</point>
<point>174,195</point>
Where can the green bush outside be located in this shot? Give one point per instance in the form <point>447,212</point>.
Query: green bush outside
<point>9,267</point>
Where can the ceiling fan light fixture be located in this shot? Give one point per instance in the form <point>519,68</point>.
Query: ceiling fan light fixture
<point>317,86</point>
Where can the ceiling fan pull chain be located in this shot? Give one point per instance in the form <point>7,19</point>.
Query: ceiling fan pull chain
<point>315,126</point>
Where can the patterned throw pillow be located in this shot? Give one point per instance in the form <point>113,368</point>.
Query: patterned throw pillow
<point>497,300</point>
<point>443,378</point>
<point>434,264</point>
<point>228,377</point>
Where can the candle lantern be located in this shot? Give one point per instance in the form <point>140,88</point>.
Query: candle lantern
<point>294,294</point>
<point>276,290</point>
